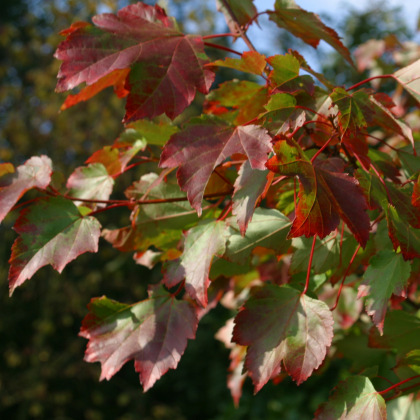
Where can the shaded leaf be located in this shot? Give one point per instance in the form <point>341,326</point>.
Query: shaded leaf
<point>52,231</point>
<point>279,324</point>
<point>91,182</point>
<point>34,173</point>
<point>326,193</point>
<point>147,131</point>
<point>330,253</point>
<point>268,228</point>
<point>206,143</point>
<point>353,399</point>
<point>401,332</point>
<point>387,274</point>
<point>402,234</point>
<point>202,243</point>
<point>144,39</point>
<point>153,333</point>
<point>249,186</point>
<point>306,26</point>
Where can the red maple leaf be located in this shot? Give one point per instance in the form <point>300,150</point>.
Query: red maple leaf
<point>206,143</point>
<point>167,67</point>
<point>326,194</point>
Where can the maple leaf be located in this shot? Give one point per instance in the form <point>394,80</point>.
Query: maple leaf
<point>353,399</point>
<point>34,173</point>
<point>236,377</point>
<point>236,12</point>
<point>116,78</point>
<point>153,332</point>
<point>52,231</point>
<point>147,131</point>
<point>402,235</point>
<point>142,38</point>
<point>326,193</point>
<point>250,62</point>
<point>401,332</point>
<point>206,143</point>
<point>331,253</point>
<point>415,198</point>
<point>279,324</point>
<point>406,407</point>
<point>410,79</point>
<point>91,182</point>
<point>306,26</point>
<point>202,243</point>
<point>249,186</point>
<point>268,228</point>
<point>361,109</point>
<point>387,274</point>
<point>245,97</point>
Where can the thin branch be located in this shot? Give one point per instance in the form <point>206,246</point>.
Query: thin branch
<point>344,278</point>
<point>221,47</point>
<point>322,148</point>
<point>398,384</point>
<point>238,26</point>
<point>227,34</point>
<point>308,273</point>
<point>382,76</point>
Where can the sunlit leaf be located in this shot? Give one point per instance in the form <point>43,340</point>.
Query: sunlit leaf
<point>34,173</point>
<point>279,324</point>
<point>52,231</point>
<point>153,333</point>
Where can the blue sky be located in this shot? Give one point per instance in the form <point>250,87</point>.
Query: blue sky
<point>263,37</point>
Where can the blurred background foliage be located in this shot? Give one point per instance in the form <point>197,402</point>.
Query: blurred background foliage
<point>42,374</point>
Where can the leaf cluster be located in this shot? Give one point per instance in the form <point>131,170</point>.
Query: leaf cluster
<point>292,200</point>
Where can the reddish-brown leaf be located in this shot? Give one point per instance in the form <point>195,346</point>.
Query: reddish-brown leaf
<point>167,67</point>
<point>206,143</point>
<point>326,193</point>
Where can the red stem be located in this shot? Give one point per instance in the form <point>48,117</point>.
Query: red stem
<point>220,35</point>
<point>226,211</point>
<point>382,182</point>
<point>222,47</point>
<point>382,76</point>
<point>113,206</point>
<point>142,202</point>
<point>279,179</point>
<point>308,274</point>
<point>179,289</point>
<point>308,109</point>
<point>321,149</point>
<point>398,384</point>
<point>344,277</point>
